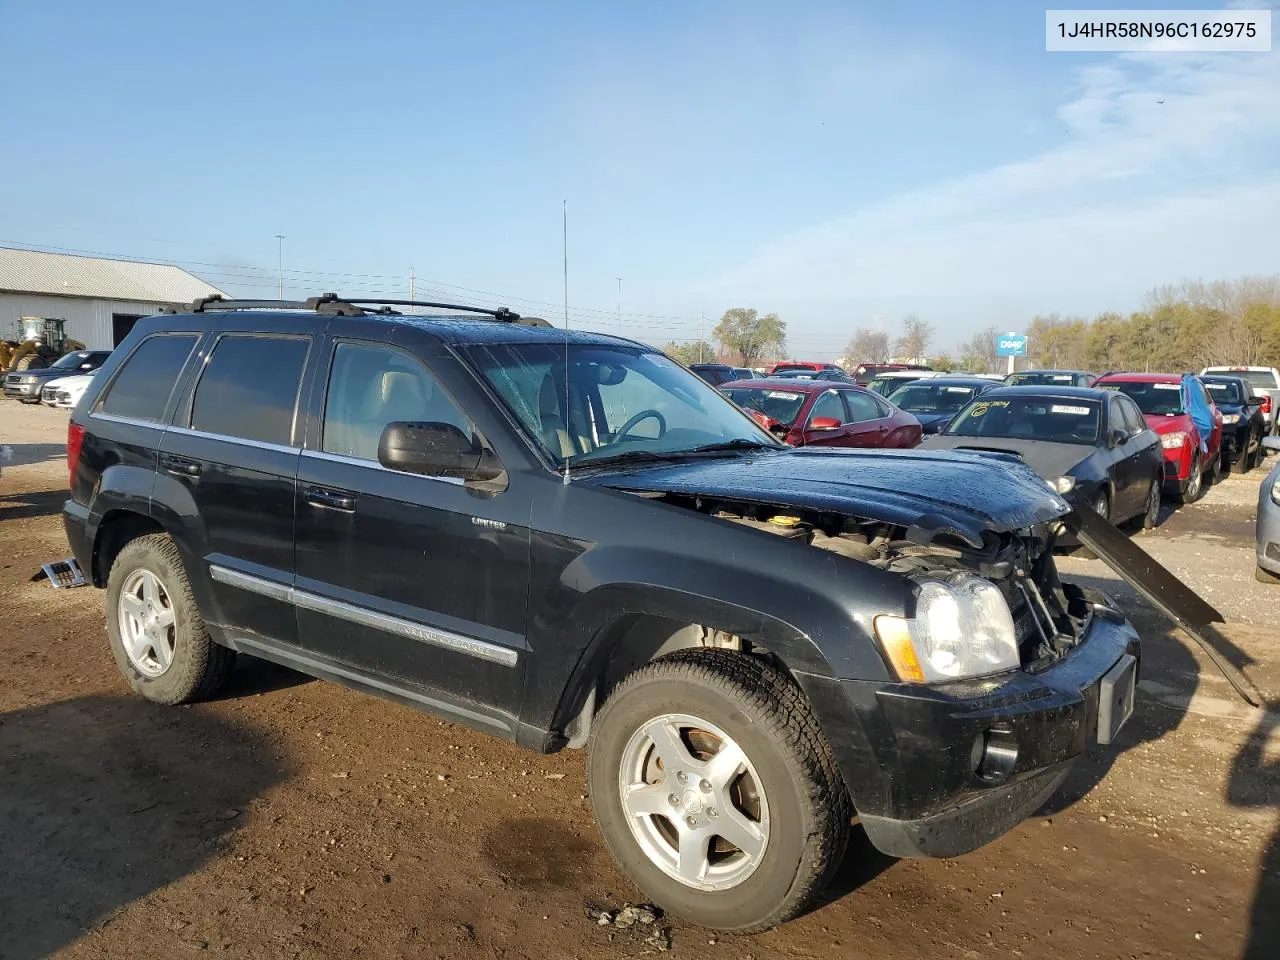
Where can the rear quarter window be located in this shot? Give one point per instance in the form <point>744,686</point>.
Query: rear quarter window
<point>141,389</point>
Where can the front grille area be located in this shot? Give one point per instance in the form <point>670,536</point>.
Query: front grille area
<point>48,394</point>
<point>64,396</point>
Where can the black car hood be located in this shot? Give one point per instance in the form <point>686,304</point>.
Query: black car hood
<point>1044,457</point>
<point>933,422</point>
<point>47,373</point>
<point>931,491</point>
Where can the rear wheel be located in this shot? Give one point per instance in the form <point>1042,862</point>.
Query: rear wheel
<point>1151,516</point>
<point>1218,467</point>
<point>716,791</point>
<point>31,361</point>
<point>158,637</point>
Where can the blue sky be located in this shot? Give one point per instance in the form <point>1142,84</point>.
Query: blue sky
<point>833,162</point>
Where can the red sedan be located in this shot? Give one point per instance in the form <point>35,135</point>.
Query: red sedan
<point>823,413</point>
<point>1159,397</point>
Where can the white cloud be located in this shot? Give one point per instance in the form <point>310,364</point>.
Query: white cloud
<point>1167,170</point>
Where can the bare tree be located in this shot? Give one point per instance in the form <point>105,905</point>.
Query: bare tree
<point>868,346</point>
<point>916,336</point>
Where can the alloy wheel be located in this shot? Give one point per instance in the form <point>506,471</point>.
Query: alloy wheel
<point>694,802</point>
<point>148,623</point>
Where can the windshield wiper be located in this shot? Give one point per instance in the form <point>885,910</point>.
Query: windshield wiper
<point>737,443</point>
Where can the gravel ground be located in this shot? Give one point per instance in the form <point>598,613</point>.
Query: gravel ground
<point>292,818</point>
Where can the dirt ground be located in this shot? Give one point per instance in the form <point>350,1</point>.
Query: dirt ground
<point>294,818</point>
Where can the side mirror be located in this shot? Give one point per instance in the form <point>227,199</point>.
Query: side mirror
<point>1117,438</point>
<point>825,423</point>
<point>435,450</point>
<point>1253,402</point>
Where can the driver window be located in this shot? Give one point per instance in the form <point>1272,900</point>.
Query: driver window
<point>828,405</point>
<point>1132,418</point>
<point>372,386</point>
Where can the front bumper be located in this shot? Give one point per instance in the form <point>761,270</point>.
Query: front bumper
<point>1268,526</point>
<point>939,771</point>
<point>1177,463</point>
<point>22,391</point>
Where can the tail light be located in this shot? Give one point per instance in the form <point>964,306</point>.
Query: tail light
<point>75,440</point>
<point>1266,403</point>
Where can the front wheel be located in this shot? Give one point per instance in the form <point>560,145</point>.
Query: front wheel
<point>1194,488</point>
<point>716,791</point>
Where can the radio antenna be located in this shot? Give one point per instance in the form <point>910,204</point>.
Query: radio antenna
<point>564,206</point>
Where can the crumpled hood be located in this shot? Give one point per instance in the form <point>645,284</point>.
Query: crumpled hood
<point>934,491</point>
<point>1047,459</point>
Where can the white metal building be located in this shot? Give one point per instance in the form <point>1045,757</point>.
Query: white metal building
<point>100,299</point>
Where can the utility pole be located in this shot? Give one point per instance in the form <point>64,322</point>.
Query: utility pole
<point>702,323</point>
<point>280,266</point>
<point>619,306</point>
<point>411,283</point>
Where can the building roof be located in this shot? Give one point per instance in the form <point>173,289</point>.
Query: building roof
<point>64,275</point>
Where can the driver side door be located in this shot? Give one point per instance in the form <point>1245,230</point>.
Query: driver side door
<point>418,580</point>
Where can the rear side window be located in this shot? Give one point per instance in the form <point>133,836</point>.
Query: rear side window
<point>861,407</point>
<point>141,389</point>
<point>250,388</point>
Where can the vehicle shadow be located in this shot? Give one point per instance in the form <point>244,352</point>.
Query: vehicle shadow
<point>253,676</point>
<point>1254,783</point>
<point>25,454</point>
<point>107,799</point>
<point>1169,677</point>
<point>22,506</point>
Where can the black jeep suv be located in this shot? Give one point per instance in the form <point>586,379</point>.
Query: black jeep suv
<point>566,539</point>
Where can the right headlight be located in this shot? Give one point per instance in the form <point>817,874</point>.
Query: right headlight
<point>962,628</point>
<point>1062,484</point>
<point>1171,441</point>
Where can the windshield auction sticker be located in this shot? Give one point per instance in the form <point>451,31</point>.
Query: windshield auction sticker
<point>1157,31</point>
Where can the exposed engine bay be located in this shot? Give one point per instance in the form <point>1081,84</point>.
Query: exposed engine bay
<point>1049,616</point>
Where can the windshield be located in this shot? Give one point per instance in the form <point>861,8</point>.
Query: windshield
<point>1038,378</point>
<point>71,360</point>
<point>932,397</point>
<point>779,405</point>
<point>1224,392</point>
<point>1153,399</point>
<point>621,400</point>
<point>1031,418</point>
<point>886,385</point>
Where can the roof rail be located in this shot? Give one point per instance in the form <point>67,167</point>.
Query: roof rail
<point>334,305</point>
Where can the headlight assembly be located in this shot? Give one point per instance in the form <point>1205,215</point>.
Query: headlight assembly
<point>1231,418</point>
<point>962,628</point>
<point>1062,484</point>
<point>1172,441</point>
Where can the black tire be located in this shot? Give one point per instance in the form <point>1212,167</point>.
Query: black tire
<point>1193,490</point>
<point>199,666</point>
<point>766,715</point>
<point>1149,518</point>
<point>1265,576</point>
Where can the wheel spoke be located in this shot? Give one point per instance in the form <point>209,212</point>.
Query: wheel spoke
<point>643,799</point>
<point>132,605</point>
<point>150,593</point>
<point>162,652</point>
<point>724,767</point>
<point>692,862</point>
<point>165,618</point>
<point>135,642</point>
<point>667,742</point>
<point>744,834</point>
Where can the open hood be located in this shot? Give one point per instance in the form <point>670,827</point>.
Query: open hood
<point>927,492</point>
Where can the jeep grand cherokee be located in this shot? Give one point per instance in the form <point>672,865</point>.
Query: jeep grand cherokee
<point>566,539</point>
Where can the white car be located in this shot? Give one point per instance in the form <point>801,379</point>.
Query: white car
<point>67,391</point>
<point>1265,382</point>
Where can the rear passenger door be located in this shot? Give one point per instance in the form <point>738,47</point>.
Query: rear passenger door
<point>868,420</point>
<point>233,449</point>
<point>418,581</point>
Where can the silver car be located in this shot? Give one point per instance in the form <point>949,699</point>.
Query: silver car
<point>1269,520</point>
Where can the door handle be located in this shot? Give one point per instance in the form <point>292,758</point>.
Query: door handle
<point>331,499</point>
<point>180,465</point>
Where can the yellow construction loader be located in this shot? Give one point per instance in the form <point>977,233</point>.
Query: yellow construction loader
<point>40,342</point>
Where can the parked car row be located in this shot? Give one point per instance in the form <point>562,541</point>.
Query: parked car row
<point>28,385</point>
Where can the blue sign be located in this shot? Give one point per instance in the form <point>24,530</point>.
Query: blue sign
<point>1011,345</point>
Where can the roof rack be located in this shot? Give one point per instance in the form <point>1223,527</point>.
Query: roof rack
<point>333,305</point>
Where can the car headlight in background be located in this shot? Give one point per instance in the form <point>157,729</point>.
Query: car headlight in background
<point>1172,441</point>
<point>1062,484</point>
<point>1231,418</point>
<point>962,628</point>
